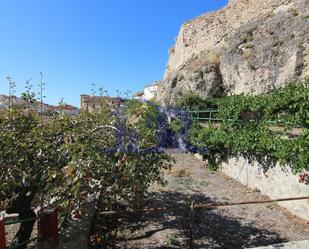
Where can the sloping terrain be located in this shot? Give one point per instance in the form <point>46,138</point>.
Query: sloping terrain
<point>230,227</point>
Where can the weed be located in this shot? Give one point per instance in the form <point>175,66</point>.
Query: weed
<point>294,12</point>
<point>249,46</point>
<point>250,37</point>
<point>172,241</point>
<point>256,190</point>
<point>300,46</point>
<point>248,53</point>
<point>204,183</point>
<point>181,173</point>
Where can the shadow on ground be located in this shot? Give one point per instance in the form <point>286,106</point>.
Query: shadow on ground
<point>210,228</point>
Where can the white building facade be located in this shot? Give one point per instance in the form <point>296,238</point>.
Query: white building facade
<point>148,93</point>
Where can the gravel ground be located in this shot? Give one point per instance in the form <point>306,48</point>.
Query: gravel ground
<point>11,230</point>
<point>229,227</point>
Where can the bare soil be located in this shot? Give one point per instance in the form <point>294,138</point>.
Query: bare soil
<point>11,230</point>
<point>229,227</point>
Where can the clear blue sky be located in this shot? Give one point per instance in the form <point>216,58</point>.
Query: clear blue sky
<point>116,44</point>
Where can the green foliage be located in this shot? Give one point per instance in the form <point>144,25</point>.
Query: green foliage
<point>211,138</point>
<point>176,125</point>
<point>66,159</point>
<point>288,105</point>
<point>244,130</point>
<point>28,96</point>
<point>252,141</point>
<point>172,241</point>
<point>191,101</point>
<point>143,117</point>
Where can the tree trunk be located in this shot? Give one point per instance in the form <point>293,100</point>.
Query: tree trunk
<point>21,204</point>
<point>25,229</point>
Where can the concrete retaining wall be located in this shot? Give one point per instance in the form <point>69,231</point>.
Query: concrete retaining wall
<point>304,244</point>
<point>275,183</point>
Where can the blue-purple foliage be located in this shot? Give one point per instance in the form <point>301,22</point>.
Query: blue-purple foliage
<point>166,137</point>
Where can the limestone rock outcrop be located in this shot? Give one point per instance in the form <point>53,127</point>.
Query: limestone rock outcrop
<point>249,46</point>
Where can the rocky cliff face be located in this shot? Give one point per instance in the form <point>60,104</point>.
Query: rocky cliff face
<point>249,46</point>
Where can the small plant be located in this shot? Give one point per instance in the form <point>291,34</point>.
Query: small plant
<point>12,90</point>
<point>294,12</point>
<point>275,43</point>
<point>40,93</point>
<point>181,173</point>
<point>127,93</point>
<point>248,53</point>
<point>300,46</point>
<point>176,125</point>
<point>29,96</point>
<point>93,89</point>
<point>172,241</point>
<point>118,93</point>
<point>270,14</point>
<point>249,45</point>
<point>256,190</point>
<point>250,37</point>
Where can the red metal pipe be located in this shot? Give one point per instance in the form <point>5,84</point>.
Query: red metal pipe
<point>212,205</point>
<point>205,206</point>
<point>2,235</point>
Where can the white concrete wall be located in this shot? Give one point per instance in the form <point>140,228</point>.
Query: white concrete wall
<point>302,244</point>
<point>275,183</point>
<point>149,92</point>
<point>139,98</point>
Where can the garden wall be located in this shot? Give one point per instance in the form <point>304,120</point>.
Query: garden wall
<point>275,183</point>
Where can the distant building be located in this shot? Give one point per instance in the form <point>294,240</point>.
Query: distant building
<point>45,109</point>
<point>6,101</point>
<point>138,96</point>
<point>66,109</point>
<point>148,93</point>
<point>93,103</point>
<point>149,90</point>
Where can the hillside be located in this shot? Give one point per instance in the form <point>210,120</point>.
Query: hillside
<point>246,47</point>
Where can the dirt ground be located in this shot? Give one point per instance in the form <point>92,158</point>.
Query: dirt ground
<point>229,227</point>
<point>11,230</point>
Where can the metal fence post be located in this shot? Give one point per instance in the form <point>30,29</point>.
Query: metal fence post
<point>2,234</point>
<point>191,225</point>
<point>48,229</point>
